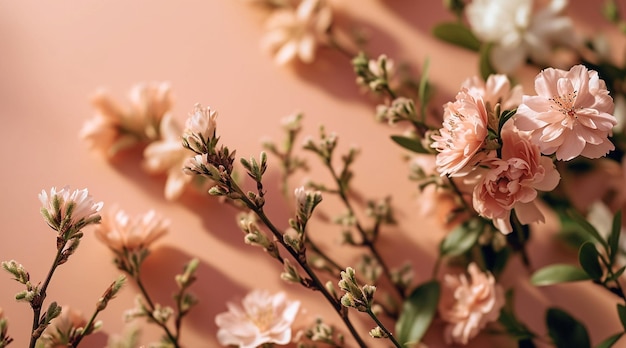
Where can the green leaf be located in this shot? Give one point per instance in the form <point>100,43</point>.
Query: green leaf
<point>565,331</point>
<point>418,312</point>
<point>559,273</point>
<point>610,341</point>
<point>613,239</point>
<point>462,238</point>
<point>588,258</point>
<point>506,115</point>
<point>410,144</point>
<point>485,66</point>
<point>621,311</point>
<point>457,34</point>
<point>587,227</point>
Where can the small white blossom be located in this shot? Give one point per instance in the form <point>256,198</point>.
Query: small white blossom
<point>295,33</point>
<point>518,32</point>
<point>200,128</point>
<point>63,209</point>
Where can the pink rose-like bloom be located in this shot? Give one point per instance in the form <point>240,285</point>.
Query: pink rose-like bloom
<point>512,181</point>
<point>570,115</point>
<point>460,141</point>
<point>263,318</point>
<point>468,304</point>
<point>295,33</point>
<point>497,89</point>
<point>168,156</point>
<point>60,207</point>
<point>121,232</point>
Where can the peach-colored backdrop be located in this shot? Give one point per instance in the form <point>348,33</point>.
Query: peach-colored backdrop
<point>55,54</point>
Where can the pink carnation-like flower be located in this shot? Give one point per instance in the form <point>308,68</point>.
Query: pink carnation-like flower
<point>512,181</point>
<point>264,318</point>
<point>468,304</point>
<point>295,33</point>
<point>121,232</point>
<point>497,89</point>
<point>460,141</point>
<point>571,115</point>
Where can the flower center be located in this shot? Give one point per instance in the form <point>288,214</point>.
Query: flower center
<point>565,104</point>
<point>262,317</point>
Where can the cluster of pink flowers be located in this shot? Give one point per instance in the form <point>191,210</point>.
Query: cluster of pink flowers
<point>570,116</point>
<point>149,124</point>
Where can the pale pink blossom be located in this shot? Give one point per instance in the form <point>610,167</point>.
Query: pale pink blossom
<point>433,199</point>
<point>296,33</point>
<point>460,142</point>
<point>497,89</point>
<point>518,32</point>
<point>62,329</point>
<point>262,318</point>
<point>168,156</point>
<point>468,303</point>
<point>200,127</point>
<point>114,128</point>
<point>64,208</point>
<point>512,182</point>
<point>196,165</point>
<point>571,115</point>
<point>121,232</point>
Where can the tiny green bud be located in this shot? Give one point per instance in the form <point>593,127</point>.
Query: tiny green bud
<point>290,274</point>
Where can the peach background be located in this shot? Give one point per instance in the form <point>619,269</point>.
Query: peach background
<point>55,54</point>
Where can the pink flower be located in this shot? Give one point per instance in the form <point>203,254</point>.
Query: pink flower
<point>295,33</point>
<point>571,115</point>
<point>121,232</point>
<point>496,90</point>
<point>264,318</point>
<point>112,128</point>
<point>460,141</point>
<point>168,156</point>
<point>62,329</point>
<point>63,209</point>
<point>200,127</point>
<point>468,304</point>
<point>512,181</point>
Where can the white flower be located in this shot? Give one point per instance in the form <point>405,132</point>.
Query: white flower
<point>264,318</point>
<point>63,209</point>
<point>519,33</point>
<point>168,156</point>
<point>296,32</point>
